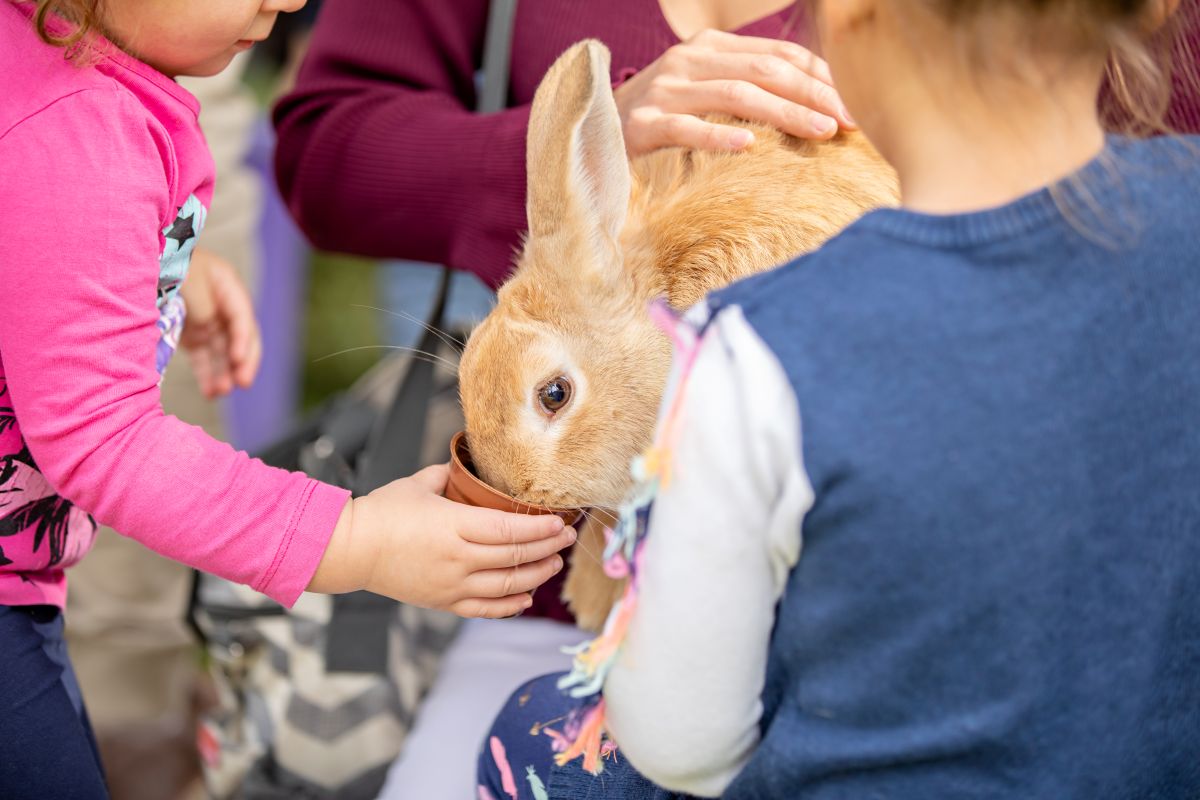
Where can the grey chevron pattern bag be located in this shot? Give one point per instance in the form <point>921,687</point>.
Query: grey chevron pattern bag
<point>287,726</point>
<point>315,702</point>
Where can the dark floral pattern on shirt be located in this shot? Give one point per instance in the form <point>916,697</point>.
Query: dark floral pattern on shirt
<point>29,505</point>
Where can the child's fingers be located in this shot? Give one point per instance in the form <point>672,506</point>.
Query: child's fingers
<point>485,557</point>
<point>492,608</point>
<point>242,326</point>
<point>202,368</point>
<point>236,308</point>
<point>514,580</point>
<point>219,366</point>
<point>245,370</point>
<point>211,370</point>
<point>486,526</point>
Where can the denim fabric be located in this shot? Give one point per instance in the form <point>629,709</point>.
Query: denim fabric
<point>619,781</point>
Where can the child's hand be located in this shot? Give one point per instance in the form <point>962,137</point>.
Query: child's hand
<point>408,542</point>
<point>220,334</point>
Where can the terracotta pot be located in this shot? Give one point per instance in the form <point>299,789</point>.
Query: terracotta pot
<point>465,487</point>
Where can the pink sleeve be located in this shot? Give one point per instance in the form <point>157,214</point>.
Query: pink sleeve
<point>83,196</point>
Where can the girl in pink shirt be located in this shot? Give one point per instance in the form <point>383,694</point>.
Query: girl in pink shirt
<point>105,182</point>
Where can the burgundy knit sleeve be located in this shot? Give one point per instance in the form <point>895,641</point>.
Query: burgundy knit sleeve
<point>379,152</point>
<point>1184,114</point>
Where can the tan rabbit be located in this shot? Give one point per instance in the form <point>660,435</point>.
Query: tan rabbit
<point>562,381</point>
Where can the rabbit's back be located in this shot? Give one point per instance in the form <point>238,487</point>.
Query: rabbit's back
<point>701,220</point>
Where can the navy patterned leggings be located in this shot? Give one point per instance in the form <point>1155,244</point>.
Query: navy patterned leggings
<point>516,761</point>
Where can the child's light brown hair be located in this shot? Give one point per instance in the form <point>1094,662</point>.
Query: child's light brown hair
<point>1149,55</point>
<point>83,15</point>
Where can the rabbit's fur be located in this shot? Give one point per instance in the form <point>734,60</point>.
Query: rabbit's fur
<point>606,236</point>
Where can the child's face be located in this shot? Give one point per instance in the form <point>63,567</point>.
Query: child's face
<point>191,37</point>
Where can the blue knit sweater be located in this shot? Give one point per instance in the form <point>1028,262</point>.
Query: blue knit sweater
<point>999,594</point>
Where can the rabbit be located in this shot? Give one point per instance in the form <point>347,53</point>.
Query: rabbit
<point>561,382</point>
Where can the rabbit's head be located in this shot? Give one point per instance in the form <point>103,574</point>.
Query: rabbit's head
<point>561,383</point>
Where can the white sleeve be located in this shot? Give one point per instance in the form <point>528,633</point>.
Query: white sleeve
<point>684,696</point>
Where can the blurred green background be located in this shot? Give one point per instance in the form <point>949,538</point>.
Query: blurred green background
<point>342,339</point>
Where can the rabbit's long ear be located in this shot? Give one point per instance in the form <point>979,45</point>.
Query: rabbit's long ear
<point>578,170</point>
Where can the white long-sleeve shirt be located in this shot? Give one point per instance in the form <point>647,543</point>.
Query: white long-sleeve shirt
<point>684,697</point>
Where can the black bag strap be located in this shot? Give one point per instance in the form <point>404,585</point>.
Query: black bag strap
<point>496,48</point>
<point>357,639</point>
<point>394,447</point>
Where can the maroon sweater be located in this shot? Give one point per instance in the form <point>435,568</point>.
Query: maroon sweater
<point>379,153</point>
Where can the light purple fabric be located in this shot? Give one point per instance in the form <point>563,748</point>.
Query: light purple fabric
<point>264,413</point>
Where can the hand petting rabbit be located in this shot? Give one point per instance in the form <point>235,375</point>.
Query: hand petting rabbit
<point>561,383</point>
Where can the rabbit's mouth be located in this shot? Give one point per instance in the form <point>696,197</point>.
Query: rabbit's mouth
<point>560,499</point>
<point>466,486</point>
<point>555,501</point>
<point>603,513</point>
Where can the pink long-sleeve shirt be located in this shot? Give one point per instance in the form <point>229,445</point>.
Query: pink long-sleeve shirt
<point>105,179</point>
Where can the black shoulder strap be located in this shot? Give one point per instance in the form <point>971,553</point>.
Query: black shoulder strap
<point>493,96</point>
<point>394,447</point>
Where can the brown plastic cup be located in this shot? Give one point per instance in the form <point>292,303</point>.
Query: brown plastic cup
<point>465,486</point>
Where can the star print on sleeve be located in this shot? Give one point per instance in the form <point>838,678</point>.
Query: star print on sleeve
<point>179,239</point>
<point>183,229</point>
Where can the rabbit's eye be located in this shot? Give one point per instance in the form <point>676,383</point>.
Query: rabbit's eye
<point>554,395</point>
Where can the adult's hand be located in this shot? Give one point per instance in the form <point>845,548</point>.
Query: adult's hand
<point>766,80</point>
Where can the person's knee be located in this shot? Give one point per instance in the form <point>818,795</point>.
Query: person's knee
<point>522,734</point>
<point>542,690</point>
<point>533,706</point>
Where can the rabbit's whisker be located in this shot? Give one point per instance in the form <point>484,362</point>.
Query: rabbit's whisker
<point>445,336</point>
<point>432,358</point>
<point>588,552</point>
<point>579,541</point>
<point>592,517</point>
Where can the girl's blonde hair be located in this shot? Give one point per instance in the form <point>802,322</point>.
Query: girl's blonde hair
<point>1149,57</point>
<point>83,16</point>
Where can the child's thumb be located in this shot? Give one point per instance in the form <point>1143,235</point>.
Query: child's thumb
<point>433,478</point>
